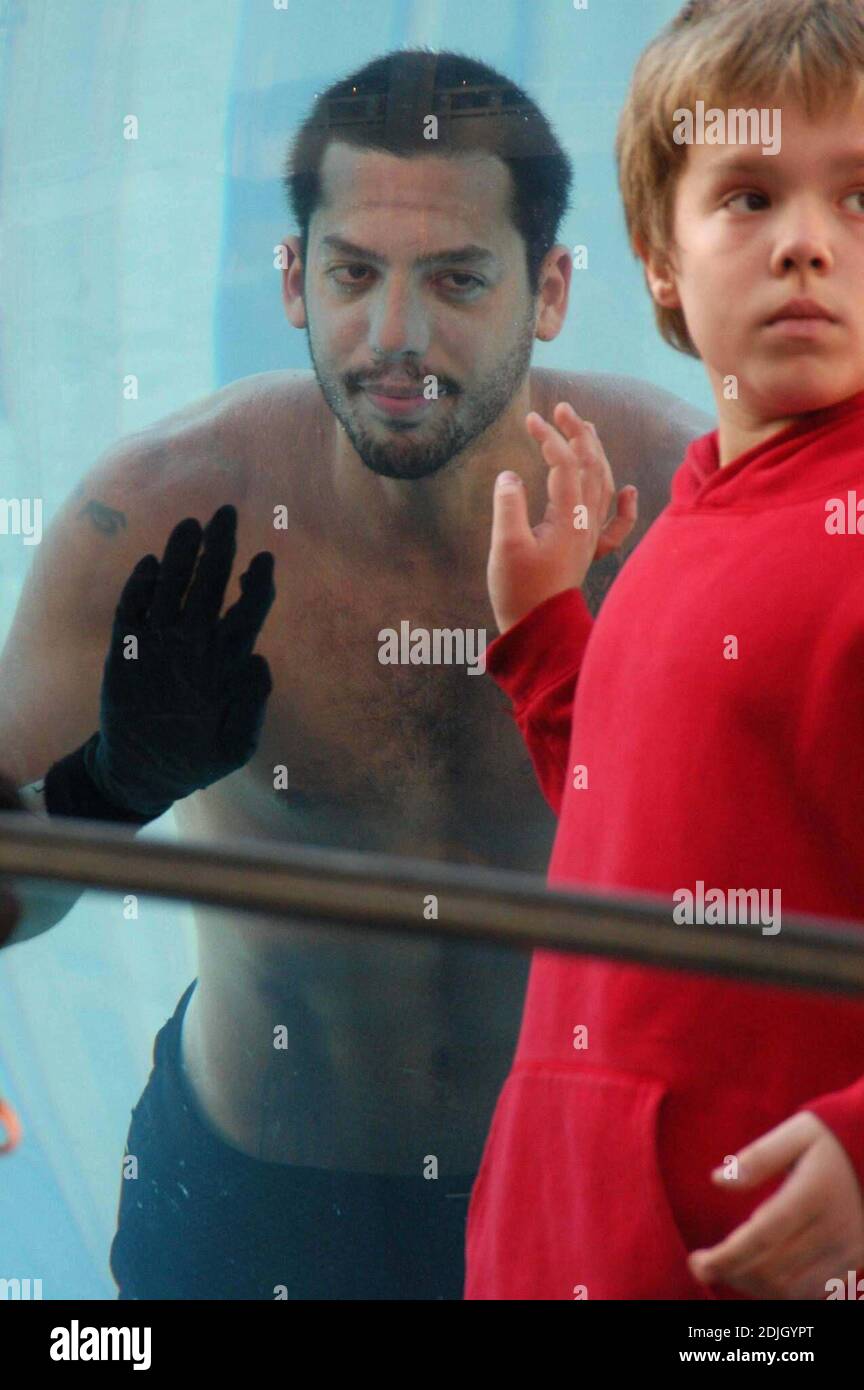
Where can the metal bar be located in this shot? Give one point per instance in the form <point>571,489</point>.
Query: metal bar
<point>387,893</point>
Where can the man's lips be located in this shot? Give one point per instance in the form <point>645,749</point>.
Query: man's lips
<point>400,398</point>
<point>399,390</point>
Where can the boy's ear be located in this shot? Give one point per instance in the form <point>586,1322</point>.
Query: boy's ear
<point>658,273</point>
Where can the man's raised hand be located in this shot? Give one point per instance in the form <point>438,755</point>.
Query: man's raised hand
<point>183,697</point>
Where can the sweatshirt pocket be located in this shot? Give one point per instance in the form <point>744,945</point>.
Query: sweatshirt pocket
<point>569,1201</point>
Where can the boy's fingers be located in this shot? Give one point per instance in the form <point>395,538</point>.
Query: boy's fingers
<point>616,531</point>
<point>777,1221</point>
<point>509,511</point>
<point>581,435</point>
<point>792,1260</point>
<point>772,1152</point>
<point>579,470</point>
<point>564,480</point>
<point>571,424</point>
<point>571,436</point>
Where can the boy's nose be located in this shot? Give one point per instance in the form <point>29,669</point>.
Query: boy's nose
<point>804,246</point>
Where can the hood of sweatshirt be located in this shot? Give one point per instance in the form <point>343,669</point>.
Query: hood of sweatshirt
<point>781,471</point>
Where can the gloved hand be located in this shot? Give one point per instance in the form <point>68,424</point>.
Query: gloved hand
<point>189,709</point>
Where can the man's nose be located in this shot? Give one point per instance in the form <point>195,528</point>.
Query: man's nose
<point>399,321</point>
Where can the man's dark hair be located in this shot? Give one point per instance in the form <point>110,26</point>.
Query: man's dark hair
<point>384,105</point>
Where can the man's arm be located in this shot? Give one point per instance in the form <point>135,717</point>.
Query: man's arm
<point>51,665</point>
<point>182,694</point>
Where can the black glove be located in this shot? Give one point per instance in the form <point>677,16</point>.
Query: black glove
<point>189,710</point>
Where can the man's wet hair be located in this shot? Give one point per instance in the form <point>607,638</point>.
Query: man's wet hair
<point>385,105</point>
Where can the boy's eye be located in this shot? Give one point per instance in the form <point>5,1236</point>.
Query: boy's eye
<point>748,200</point>
<point>859,197</point>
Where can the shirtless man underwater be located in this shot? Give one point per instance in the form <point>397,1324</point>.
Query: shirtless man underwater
<point>303,1171</point>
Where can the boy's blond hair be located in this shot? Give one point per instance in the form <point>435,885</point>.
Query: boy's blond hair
<point>728,54</point>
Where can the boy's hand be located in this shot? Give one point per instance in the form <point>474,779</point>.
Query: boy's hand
<point>529,564</point>
<point>809,1231</point>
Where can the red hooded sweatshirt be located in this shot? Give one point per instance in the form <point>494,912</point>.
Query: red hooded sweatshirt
<point>719,720</point>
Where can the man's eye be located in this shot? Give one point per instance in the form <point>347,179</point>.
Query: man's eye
<point>357,276</point>
<point>859,194</point>
<point>468,281</point>
<point>748,197</point>
<point>348,270</point>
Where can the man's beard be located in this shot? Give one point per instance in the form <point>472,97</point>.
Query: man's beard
<point>393,453</point>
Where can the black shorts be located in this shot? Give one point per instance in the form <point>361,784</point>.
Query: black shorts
<point>203,1220</point>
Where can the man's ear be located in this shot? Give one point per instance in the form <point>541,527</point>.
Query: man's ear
<point>292,281</point>
<point>553,292</point>
<point>660,276</point>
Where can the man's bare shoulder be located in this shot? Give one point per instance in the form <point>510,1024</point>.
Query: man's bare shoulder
<point>645,430</point>
<point>626,398</point>
<point>220,443</point>
<point>258,408</point>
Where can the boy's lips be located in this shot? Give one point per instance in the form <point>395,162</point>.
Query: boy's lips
<point>801,310</point>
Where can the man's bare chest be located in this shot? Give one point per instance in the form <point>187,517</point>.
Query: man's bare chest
<point>382,731</point>
<point>380,692</point>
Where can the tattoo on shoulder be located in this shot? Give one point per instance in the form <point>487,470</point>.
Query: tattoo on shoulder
<point>105,519</point>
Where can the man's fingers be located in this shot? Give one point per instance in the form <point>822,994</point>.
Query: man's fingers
<point>137,595</point>
<point>247,694</point>
<point>207,591</point>
<point>175,571</point>
<point>239,629</point>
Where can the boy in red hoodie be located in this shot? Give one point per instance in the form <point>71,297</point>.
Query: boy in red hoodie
<point>664,1134</point>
